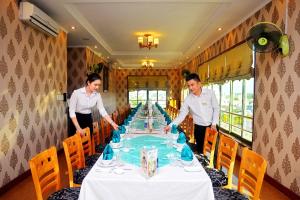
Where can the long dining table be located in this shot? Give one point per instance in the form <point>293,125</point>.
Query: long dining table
<point>124,179</point>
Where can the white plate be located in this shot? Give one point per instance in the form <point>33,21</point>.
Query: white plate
<point>103,163</point>
<point>125,149</point>
<point>115,145</point>
<point>118,171</point>
<point>192,169</point>
<point>187,163</point>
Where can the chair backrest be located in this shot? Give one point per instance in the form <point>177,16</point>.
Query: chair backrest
<point>122,115</point>
<point>251,175</point>
<point>210,144</point>
<point>115,117</point>
<point>96,134</point>
<point>45,172</point>
<point>102,130</point>
<point>226,156</point>
<point>86,141</point>
<point>74,155</point>
<point>190,128</point>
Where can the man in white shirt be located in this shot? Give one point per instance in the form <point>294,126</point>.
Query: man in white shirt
<point>204,107</point>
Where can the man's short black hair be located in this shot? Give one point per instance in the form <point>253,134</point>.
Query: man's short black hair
<point>193,76</point>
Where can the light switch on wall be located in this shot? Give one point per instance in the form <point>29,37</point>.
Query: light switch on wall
<point>59,97</point>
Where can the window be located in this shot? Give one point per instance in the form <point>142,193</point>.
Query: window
<point>141,96</point>
<point>184,93</point>
<point>236,107</point>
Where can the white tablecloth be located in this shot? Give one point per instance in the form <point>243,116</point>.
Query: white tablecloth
<point>170,183</point>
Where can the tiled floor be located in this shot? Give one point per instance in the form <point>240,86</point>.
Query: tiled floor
<point>25,189</point>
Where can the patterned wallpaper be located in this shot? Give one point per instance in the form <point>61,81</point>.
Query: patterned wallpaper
<point>78,61</point>
<point>77,68</point>
<point>174,79</point>
<point>277,110</point>
<point>33,69</point>
<point>277,98</point>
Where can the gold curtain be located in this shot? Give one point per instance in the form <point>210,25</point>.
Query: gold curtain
<point>147,82</point>
<point>239,63</point>
<point>216,69</point>
<point>233,64</point>
<point>203,73</point>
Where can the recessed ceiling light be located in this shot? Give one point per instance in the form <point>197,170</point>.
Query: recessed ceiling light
<point>219,29</point>
<point>199,47</point>
<point>107,57</point>
<point>95,47</point>
<point>73,27</point>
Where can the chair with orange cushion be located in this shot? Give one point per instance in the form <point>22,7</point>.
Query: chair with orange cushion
<point>251,175</point>
<point>90,158</point>
<point>75,160</point>
<point>209,145</point>
<point>46,178</point>
<point>225,162</point>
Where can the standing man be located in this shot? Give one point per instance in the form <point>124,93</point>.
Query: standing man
<point>204,107</point>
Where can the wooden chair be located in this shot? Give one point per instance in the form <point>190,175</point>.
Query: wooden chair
<point>90,158</point>
<point>252,170</point>
<point>209,145</point>
<point>115,117</point>
<point>225,161</point>
<point>46,178</point>
<point>75,160</point>
<point>102,130</point>
<point>98,146</point>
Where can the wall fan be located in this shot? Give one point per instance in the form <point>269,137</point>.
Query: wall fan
<point>266,37</point>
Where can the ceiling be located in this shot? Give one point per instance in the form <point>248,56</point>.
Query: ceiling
<point>184,27</point>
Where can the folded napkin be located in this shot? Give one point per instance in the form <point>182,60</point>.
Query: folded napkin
<point>126,122</point>
<point>181,138</point>
<point>186,153</point>
<point>174,129</point>
<point>108,153</point>
<point>116,136</point>
<point>129,118</point>
<point>122,129</point>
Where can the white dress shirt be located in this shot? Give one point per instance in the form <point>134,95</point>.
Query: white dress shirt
<point>204,108</point>
<point>80,102</point>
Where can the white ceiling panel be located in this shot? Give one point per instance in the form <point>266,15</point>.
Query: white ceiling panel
<point>181,25</point>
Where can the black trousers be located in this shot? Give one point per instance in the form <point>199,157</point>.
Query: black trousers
<point>199,134</point>
<point>84,120</point>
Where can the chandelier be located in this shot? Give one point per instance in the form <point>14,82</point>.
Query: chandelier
<point>148,41</point>
<point>147,64</point>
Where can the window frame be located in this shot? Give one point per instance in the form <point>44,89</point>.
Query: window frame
<point>230,113</point>
<point>147,92</point>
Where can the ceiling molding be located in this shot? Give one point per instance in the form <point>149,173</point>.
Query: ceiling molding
<point>243,19</point>
<point>83,21</point>
<point>142,53</point>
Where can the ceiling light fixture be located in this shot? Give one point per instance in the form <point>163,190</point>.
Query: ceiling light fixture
<point>147,64</point>
<point>148,41</point>
<point>73,27</point>
<point>219,29</point>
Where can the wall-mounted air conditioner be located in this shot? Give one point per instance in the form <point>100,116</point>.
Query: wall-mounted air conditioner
<point>36,17</point>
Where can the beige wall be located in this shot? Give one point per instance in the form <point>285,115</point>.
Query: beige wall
<point>277,97</point>
<point>33,69</point>
<point>120,77</point>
